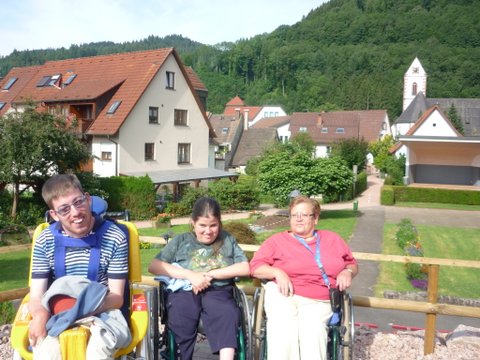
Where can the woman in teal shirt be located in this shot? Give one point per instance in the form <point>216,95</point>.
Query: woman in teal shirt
<point>206,260</point>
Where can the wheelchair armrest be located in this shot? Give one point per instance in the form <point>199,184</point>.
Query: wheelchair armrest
<point>138,321</point>
<point>19,335</point>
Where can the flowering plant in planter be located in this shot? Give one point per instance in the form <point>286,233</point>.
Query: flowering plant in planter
<point>162,220</point>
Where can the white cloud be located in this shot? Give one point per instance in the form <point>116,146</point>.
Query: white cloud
<point>39,24</point>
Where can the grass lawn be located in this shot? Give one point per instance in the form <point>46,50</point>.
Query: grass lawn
<point>437,242</point>
<point>14,268</point>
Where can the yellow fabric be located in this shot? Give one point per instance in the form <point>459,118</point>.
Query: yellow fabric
<point>73,343</point>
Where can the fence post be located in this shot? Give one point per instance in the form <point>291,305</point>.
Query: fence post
<point>431,318</point>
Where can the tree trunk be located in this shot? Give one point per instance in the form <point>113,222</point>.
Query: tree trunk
<point>16,196</point>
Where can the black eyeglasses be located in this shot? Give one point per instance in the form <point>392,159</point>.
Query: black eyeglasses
<point>302,216</point>
<point>77,203</point>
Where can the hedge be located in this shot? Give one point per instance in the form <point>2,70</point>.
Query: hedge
<point>387,195</point>
<point>392,194</point>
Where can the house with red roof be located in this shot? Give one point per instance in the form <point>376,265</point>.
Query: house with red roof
<point>326,128</point>
<point>141,113</point>
<point>251,114</point>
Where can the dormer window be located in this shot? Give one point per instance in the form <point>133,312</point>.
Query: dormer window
<point>114,107</point>
<point>324,130</point>
<point>54,80</point>
<point>340,131</point>
<point>49,80</point>
<point>9,84</point>
<point>2,104</point>
<point>69,80</point>
<point>302,129</point>
<point>225,130</point>
<point>44,81</point>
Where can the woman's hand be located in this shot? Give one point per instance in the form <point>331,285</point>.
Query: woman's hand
<point>199,281</point>
<point>284,284</point>
<point>344,279</point>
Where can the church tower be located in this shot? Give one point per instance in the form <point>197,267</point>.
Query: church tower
<point>414,81</point>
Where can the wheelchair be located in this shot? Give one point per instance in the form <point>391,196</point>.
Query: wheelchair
<point>341,328</point>
<point>140,303</point>
<point>166,339</point>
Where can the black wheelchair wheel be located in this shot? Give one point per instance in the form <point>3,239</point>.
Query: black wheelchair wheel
<point>153,328</point>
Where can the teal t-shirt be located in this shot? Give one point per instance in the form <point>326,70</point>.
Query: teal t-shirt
<point>189,253</point>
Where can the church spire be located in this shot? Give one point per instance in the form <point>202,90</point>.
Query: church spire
<point>414,81</point>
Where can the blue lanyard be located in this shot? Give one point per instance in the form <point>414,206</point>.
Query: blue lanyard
<point>317,255</point>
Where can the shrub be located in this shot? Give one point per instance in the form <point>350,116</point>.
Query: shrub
<point>241,195</point>
<point>137,194</point>
<point>185,205</point>
<point>241,231</point>
<point>7,312</point>
<point>144,245</point>
<point>387,195</point>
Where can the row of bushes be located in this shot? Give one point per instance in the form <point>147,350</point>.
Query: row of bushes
<point>408,240</point>
<point>391,194</point>
<point>240,195</point>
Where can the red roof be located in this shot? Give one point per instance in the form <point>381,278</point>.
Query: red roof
<point>23,76</point>
<point>126,75</point>
<point>339,125</point>
<point>236,101</point>
<point>196,82</point>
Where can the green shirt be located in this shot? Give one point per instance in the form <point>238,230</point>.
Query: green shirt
<point>189,253</point>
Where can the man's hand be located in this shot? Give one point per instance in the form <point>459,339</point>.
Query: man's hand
<point>37,330</point>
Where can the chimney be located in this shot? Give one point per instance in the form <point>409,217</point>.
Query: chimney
<point>245,117</point>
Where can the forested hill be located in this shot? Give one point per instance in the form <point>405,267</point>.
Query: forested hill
<point>346,54</point>
<point>36,57</point>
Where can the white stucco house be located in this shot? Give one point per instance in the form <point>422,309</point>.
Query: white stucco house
<point>141,113</point>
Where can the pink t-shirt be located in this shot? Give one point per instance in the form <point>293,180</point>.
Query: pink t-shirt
<point>283,251</point>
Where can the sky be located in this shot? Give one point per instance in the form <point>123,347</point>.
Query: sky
<point>41,24</point>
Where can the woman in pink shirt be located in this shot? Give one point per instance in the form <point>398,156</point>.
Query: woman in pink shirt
<point>300,265</point>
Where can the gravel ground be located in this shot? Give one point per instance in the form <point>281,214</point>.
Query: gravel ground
<point>462,344</point>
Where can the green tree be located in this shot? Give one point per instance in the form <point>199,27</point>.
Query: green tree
<point>380,150</point>
<point>33,146</point>
<point>303,141</point>
<point>353,151</point>
<point>455,119</point>
<point>291,167</point>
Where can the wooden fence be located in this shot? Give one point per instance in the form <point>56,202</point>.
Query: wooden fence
<point>431,308</point>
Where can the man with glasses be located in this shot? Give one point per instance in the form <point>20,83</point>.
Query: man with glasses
<point>77,245</point>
